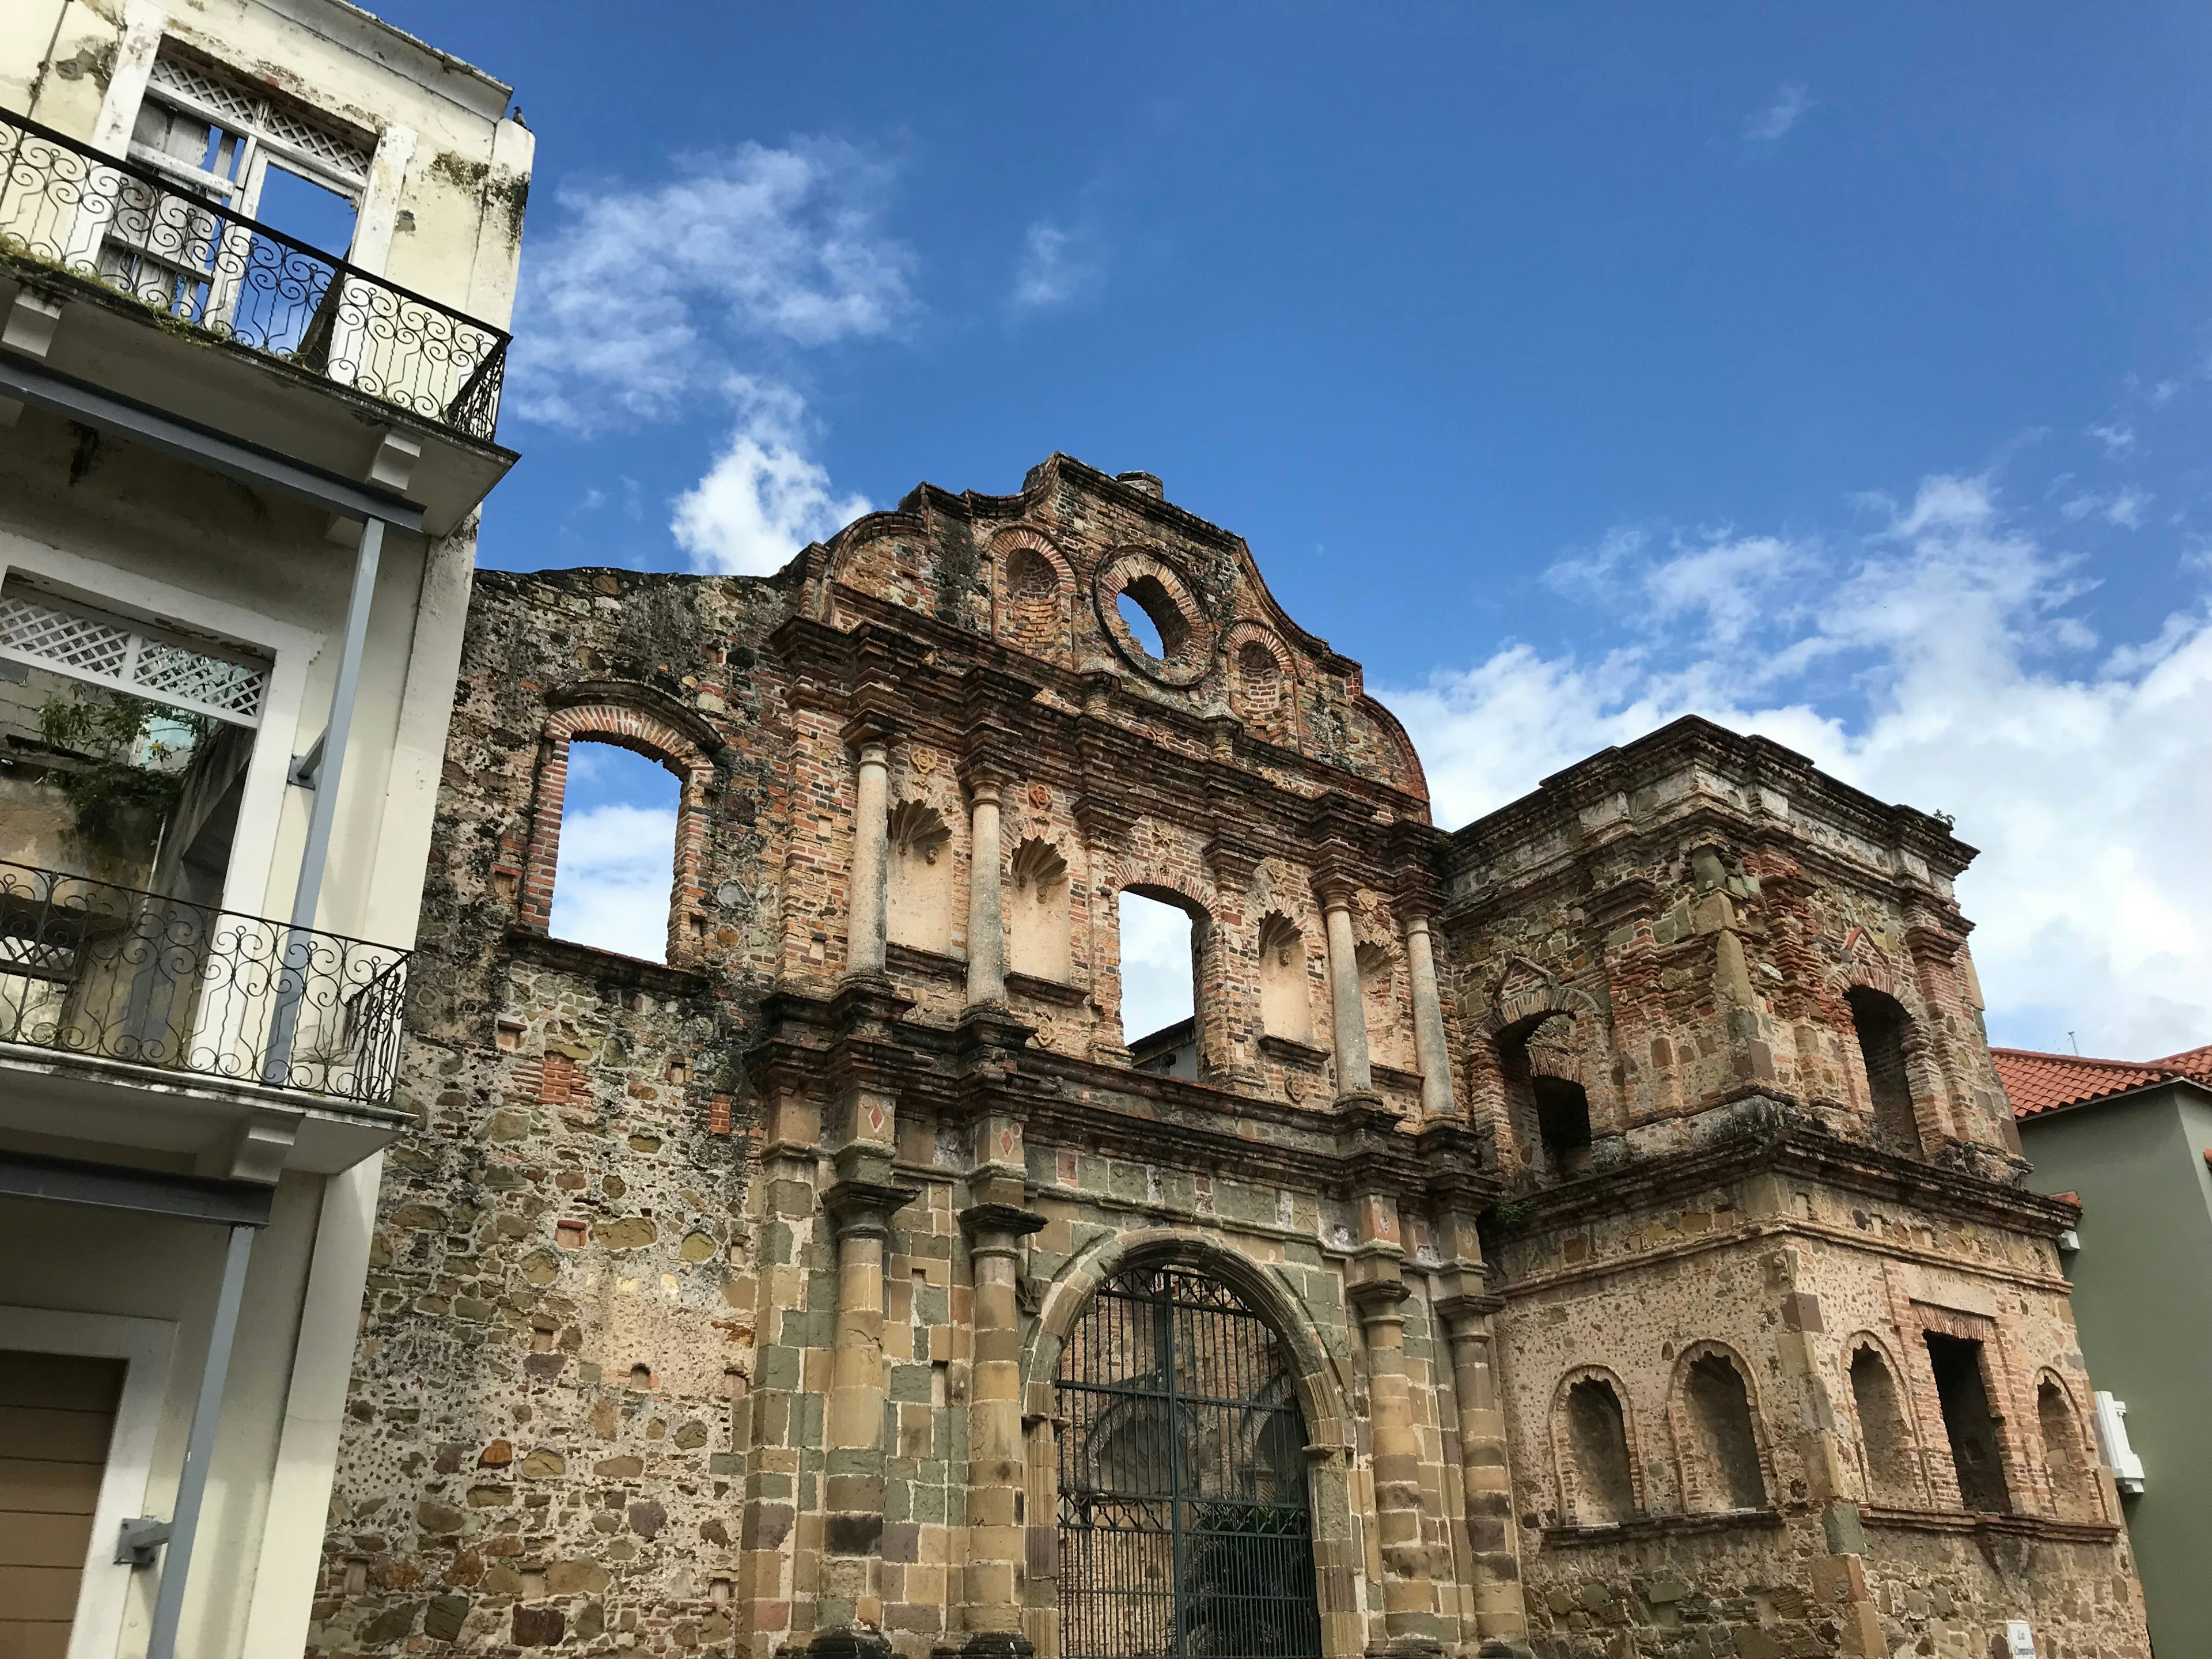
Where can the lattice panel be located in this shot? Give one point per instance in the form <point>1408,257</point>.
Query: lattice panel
<point>110,653</point>
<point>255,113</point>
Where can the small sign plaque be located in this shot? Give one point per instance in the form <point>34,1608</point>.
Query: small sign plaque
<point>2021,1637</point>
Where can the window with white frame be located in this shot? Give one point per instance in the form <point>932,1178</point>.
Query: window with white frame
<point>223,142</point>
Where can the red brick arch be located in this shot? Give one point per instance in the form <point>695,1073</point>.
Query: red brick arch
<point>657,739</point>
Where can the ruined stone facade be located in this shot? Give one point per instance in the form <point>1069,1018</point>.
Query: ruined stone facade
<point>1622,1181</point>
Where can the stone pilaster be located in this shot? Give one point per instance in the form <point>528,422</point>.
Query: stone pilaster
<point>1432,1051</point>
<point>871,745</point>
<point>849,1611</point>
<point>1347,1010</point>
<point>1375,1291</point>
<point>997,1466</point>
<point>986,929</point>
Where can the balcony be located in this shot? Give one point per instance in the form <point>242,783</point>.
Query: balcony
<point>166,274</point>
<point>176,1027</point>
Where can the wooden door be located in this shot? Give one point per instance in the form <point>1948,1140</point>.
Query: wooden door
<point>57,1414</point>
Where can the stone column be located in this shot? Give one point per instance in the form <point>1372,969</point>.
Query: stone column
<point>1487,1479</point>
<point>859,1207</point>
<point>864,948</point>
<point>1409,1616</point>
<point>987,927</point>
<point>1431,1052</point>
<point>997,1468</point>
<point>1347,1010</point>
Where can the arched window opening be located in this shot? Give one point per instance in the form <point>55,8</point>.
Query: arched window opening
<point>614,876</point>
<point>1883,1025</point>
<point>2073,1477</point>
<point>1885,1440</point>
<point>1160,942</point>
<point>1285,988</point>
<point>918,908</point>
<point>1036,918</point>
<point>1604,1490</point>
<point>1968,1423</point>
<point>1722,1471</point>
<point>1184,1521</point>
<point>1155,620</point>
<point>1378,996</point>
<point>1142,627</point>
<point>1547,1105</point>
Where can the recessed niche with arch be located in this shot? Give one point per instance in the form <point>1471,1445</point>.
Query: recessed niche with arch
<point>1598,1480</point>
<point>1285,983</point>
<point>1888,1457</point>
<point>1036,911</point>
<point>1029,613</point>
<point>1884,1029</point>
<point>1379,1001</point>
<point>918,908</point>
<point>2066,1456</point>
<point>1545,1101</point>
<point>1969,1423</point>
<point>616,871</point>
<point>1160,942</point>
<point>1720,1458</point>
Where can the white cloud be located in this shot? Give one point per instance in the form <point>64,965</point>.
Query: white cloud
<point>2117,437</point>
<point>1057,266</point>
<point>1728,581</point>
<point>763,499</point>
<point>1790,103</point>
<point>2123,506</point>
<point>2083,780</point>
<point>639,297</point>
<point>611,890</point>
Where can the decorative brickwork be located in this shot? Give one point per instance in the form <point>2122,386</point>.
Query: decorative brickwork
<point>722,1306</point>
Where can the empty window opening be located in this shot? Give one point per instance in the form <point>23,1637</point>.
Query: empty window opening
<point>1724,1472</point>
<point>615,882</point>
<point>1882,1025</point>
<point>918,909</point>
<point>1286,987</point>
<point>1968,1423</point>
<point>1597,1441</point>
<point>1159,979</point>
<point>1141,627</point>
<point>1547,1105</point>
<point>1155,620</point>
<point>1036,911</point>
<point>1891,1472</point>
<point>2073,1478</point>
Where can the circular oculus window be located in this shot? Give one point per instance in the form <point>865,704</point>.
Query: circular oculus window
<point>1153,621</point>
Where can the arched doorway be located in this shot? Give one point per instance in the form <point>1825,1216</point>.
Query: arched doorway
<point>1184,1524</point>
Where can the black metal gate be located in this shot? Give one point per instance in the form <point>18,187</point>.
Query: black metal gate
<point>1184,1528</point>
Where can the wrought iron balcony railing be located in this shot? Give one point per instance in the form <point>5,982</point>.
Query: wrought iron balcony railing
<point>157,240</point>
<point>90,969</point>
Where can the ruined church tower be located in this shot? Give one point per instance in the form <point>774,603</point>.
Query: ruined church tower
<point>1596,1231</point>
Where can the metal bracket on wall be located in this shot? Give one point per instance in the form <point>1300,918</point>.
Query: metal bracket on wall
<point>139,1541</point>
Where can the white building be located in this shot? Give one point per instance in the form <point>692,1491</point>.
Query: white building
<point>256,261</point>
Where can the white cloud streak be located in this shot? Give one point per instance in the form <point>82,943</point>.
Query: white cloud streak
<point>640,297</point>
<point>763,499</point>
<point>1057,266</point>
<point>2082,778</point>
<point>1790,104</point>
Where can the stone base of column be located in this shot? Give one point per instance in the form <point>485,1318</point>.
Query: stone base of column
<point>1407,1647</point>
<point>988,1644</point>
<point>849,1642</point>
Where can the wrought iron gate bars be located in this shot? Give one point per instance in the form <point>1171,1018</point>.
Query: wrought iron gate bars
<point>1184,1450</point>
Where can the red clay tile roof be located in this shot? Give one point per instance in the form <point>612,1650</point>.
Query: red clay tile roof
<point>2037,1082</point>
<point>2191,1062</point>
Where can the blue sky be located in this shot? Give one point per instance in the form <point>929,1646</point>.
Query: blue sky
<point>1843,373</point>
